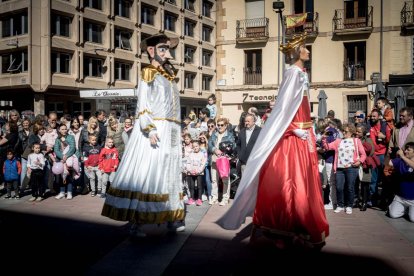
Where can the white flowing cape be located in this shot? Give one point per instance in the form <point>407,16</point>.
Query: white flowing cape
<point>287,103</point>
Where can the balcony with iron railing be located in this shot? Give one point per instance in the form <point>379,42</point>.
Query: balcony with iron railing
<point>252,75</point>
<point>311,26</point>
<point>354,72</point>
<point>358,21</point>
<point>407,20</point>
<point>252,30</point>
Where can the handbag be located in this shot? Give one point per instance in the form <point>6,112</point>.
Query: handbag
<point>223,166</point>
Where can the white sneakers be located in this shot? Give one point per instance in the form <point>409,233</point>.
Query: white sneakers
<point>212,200</point>
<point>60,196</point>
<point>223,202</point>
<point>347,210</point>
<point>328,206</point>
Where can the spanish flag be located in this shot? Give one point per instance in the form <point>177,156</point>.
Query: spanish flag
<point>295,20</point>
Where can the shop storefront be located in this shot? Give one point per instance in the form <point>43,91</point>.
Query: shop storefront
<point>120,100</point>
<point>235,102</point>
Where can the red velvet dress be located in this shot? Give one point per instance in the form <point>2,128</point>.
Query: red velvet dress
<point>289,196</point>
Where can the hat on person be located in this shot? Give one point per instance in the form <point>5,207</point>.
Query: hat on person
<point>157,38</point>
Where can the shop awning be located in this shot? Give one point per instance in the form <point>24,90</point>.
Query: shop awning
<point>107,93</point>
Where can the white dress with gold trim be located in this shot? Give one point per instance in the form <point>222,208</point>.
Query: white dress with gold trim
<point>147,187</point>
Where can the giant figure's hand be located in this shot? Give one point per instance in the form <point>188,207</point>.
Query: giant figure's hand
<point>301,133</point>
<point>154,139</point>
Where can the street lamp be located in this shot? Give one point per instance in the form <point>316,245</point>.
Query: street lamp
<point>278,7</point>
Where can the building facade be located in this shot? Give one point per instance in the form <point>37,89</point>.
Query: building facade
<point>349,41</point>
<point>50,50</point>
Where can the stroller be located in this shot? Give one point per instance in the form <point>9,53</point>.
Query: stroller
<point>235,170</point>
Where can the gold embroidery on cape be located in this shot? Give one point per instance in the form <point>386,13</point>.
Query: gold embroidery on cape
<point>148,73</point>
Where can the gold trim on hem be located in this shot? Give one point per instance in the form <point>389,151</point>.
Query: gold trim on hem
<point>303,236</point>
<point>142,217</point>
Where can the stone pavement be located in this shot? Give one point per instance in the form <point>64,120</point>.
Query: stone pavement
<point>364,243</point>
<point>75,239</point>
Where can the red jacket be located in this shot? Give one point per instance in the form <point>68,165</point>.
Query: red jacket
<point>380,147</point>
<point>108,160</point>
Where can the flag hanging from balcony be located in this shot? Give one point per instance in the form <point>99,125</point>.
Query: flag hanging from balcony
<point>295,20</point>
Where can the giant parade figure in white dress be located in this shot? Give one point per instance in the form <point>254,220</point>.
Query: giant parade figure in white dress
<point>147,188</point>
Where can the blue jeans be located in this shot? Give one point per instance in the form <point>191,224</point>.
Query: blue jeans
<point>345,180</point>
<point>376,177</point>
<point>207,180</point>
<point>68,187</point>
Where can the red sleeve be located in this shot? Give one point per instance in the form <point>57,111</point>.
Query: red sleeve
<point>101,159</point>
<point>117,158</point>
<point>388,134</point>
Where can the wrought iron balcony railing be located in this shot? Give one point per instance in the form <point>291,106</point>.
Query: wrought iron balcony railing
<point>252,75</point>
<point>252,29</point>
<point>352,20</point>
<point>407,14</point>
<point>354,72</point>
<point>311,25</point>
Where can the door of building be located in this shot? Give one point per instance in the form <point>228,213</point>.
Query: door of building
<point>355,103</point>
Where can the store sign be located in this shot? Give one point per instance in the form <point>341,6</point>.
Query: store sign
<point>107,93</point>
<point>247,97</point>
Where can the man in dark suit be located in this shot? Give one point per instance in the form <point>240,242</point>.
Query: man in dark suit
<point>246,140</point>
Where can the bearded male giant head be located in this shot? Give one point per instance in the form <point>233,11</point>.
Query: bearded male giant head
<point>158,48</point>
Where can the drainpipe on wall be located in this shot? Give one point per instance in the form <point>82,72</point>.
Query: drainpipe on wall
<point>381,37</point>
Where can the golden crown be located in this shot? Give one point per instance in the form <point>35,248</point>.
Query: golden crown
<point>293,43</point>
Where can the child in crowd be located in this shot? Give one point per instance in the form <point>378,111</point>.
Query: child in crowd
<point>212,106</point>
<point>49,139</point>
<point>11,174</point>
<point>108,163</point>
<point>404,168</point>
<point>187,149</point>
<point>192,116</point>
<point>194,169</point>
<point>203,139</point>
<point>72,163</point>
<point>35,164</point>
<point>91,152</point>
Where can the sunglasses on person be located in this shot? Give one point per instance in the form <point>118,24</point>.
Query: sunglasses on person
<point>211,126</point>
<point>220,125</point>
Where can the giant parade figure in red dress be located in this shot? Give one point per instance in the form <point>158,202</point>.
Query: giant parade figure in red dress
<point>281,186</point>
